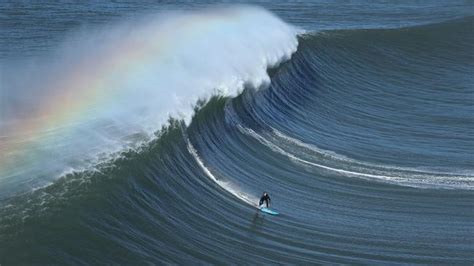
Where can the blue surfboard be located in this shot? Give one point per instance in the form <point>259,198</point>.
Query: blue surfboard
<point>269,211</point>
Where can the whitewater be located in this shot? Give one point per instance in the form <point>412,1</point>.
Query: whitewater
<point>119,85</point>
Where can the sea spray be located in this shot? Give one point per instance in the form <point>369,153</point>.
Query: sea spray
<point>116,86</point>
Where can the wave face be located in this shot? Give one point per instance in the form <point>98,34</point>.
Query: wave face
<point>363,138</point>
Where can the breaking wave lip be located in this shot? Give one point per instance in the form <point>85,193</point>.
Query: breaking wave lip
<point>127,80</point>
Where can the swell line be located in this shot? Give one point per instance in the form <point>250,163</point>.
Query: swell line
<point>451,182</point>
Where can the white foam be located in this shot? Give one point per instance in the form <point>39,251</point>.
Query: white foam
<point>339,157</point>
<point>170,61</point>
<point>420,180</point>
<point>226,185</point>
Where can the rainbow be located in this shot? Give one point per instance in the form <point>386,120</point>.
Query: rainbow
<point>84,85</point>
<point>103,78</point>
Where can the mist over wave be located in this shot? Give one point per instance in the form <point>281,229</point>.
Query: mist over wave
<point>119,84</point>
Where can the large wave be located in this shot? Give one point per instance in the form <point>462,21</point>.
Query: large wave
<point>349,108</point>
<point>118,85</point>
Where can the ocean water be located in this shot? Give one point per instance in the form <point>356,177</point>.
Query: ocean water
<point>144,133</point>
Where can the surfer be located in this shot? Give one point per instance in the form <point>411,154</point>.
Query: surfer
<point>265,197</point>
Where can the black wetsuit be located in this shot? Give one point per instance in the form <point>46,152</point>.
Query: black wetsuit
<point>265,198</point>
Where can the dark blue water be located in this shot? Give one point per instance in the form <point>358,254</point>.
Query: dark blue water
<point>364,139</point>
